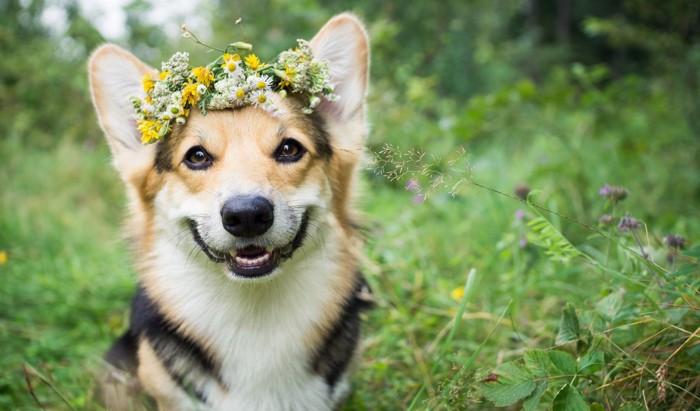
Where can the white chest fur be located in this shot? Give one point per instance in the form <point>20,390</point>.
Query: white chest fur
<point>261,333</point>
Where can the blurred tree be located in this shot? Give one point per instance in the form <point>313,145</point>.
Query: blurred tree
<point>145,39</point>
<point>268,30</point>
<point>451,41</point>
<point>665,38</point>
<point>43,95</point>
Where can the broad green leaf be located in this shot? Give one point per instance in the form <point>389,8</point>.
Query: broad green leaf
<point>609,306</point>
<point>537,362</point>
<point>531,403</point>
<point>514,383</point>
<point>563,361</point>
<point>570,399</point>
<point>592,362</point>
<point>569,329</point>
<point>554,385</point>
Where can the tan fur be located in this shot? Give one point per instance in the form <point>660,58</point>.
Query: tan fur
<point>343,168</point>
<point>241,142</point>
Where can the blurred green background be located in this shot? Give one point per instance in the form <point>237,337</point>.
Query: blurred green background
<point>561,96</point>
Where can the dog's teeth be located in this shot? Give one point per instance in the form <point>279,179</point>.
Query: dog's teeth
<point>252,262</point>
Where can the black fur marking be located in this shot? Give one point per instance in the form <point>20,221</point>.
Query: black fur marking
<point>122,354</point>
<point>333,357</point>
<point>320,136</point>
<point>179,354</point>
<point>298,240</point>
<point>313,125</point>
<point>165,149</point>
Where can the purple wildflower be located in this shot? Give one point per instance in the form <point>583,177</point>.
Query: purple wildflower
<point>413,185</point>
<point>606,220</point>
<point>675,242</point>
<point>628,224</point>
<point>613,193</point>
<point>522,191</point>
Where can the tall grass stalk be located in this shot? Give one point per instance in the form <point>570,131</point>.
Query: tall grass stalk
<point>456,320</point>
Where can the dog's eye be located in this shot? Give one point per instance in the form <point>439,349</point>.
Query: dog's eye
<point>197,158</point>
<point>289,151</point>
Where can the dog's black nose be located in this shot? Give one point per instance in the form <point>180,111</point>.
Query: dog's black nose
<point>247,216</point>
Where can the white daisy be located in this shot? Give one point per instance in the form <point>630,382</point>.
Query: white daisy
<point>257,82</point>
<point>239,96</point>
<point>234,68</point>
<point>173,111</point>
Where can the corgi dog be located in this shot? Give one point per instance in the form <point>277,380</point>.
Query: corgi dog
<point>245,240</point>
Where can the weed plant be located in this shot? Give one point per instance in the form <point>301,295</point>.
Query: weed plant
<point>627,333</point>
<point>506,272</point>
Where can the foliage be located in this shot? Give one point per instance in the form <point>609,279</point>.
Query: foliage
<point>613,337</point>
<point>40,75</point>
<point>646,312</point>
<point>65,280</point>
<point>486,298</point>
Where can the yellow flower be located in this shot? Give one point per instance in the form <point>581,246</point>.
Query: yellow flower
<point>3,257</point>
<point>163,75</point>
<point>148,83</point>
<point>203,75</point>
<point>252,61</point>
<point>240,93</point>
<point>231,57</point>
<point>190,96</point>
<point>149,130</point>
<point>457,294</point>
<point>231,62</point>
<point>285,76</point>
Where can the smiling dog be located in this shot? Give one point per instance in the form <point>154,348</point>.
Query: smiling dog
<point>245,240</point>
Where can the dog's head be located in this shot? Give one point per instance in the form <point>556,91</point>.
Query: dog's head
<point>246,186</point>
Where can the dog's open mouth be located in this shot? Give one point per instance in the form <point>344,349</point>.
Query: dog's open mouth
<point>252,261</point>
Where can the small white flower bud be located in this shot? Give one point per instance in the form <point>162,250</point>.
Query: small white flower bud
<point>314,101</point>
<point>242,46</point>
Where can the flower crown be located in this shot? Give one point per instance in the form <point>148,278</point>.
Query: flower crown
<point>235,79</point>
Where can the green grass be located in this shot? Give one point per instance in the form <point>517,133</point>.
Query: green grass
<point>67,278</point>
<point>475,306</point>
<point>67,281</point>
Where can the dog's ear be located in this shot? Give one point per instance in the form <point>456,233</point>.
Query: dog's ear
<point>115,75</point>
<point>343,42</point>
